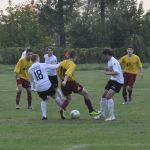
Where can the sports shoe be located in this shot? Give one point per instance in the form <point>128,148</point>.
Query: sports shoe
<point>100,116</point>
<point>30,107</point>
<point>62,114</point>
<point>93,113</point>
<point>44,118</point>
<point>124,103</point>
<point>112,118</point>
<point>17,107</point>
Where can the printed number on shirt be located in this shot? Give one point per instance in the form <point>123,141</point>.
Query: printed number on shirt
<point>38,74</point>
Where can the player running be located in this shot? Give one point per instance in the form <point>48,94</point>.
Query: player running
<point>44,88</point>
<point>69,84</point>
<point>50,58</point>
<point>22,78</point>
<point>132,65</point>
<point>112,87</point>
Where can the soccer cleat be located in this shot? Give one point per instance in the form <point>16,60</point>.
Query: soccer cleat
<point>112,118</point>
<point>30,107</point>
<point>100,116</point>
<point>17,107</point>
<point>62,114</point>
<point>93,113</point>
<point>44,118</point>
<point>124,103</point>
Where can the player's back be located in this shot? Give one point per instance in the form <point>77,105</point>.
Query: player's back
<point>40,77</point>
<point>67,68</point>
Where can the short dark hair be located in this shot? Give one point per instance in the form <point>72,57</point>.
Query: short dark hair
<point>72,54</point>
<point>130,47</point>
<point>34,57</point>
<point>107,51</point>
<point>28,50</point>
<point>49,48</point>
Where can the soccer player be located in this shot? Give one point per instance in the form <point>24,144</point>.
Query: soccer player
<point>112,87</point>
<point>22,56</point>
<point>38,74</point>
<point>69,84</point>
<point>22,78</point>
<point>50,58</point>
<point>132,65</point>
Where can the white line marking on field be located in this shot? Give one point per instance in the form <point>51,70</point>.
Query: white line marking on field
<point>81,146</point>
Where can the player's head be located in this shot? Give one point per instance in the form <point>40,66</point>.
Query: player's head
<point>35,58</point>
<point>28,53</point>
<point>73,55</point>
<point>130,50</point>
<point>50,51</point>
<point>107,52</point>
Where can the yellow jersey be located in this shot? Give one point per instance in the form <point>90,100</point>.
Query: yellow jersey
<point>131,64</point>
<point>67,67</point>
<point>22,68</point>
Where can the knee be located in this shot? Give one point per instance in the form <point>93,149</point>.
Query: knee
<point>129,88</point>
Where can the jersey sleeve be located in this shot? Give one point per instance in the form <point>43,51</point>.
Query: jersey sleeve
<point>121,61</point>
<point>139,62</point>
<point>18,67</point>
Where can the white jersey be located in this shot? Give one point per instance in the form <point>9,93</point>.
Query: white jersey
<point>113,65</point>
<point>23,54</point>
<point>51,60</point>
<point>39,75</point>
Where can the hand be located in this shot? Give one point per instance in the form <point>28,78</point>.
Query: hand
<point>141,75</point>
<point>63,83</point>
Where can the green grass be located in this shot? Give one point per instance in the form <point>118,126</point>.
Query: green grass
<point>23,129</point>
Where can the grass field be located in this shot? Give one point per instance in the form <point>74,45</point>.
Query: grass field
<point>23,129</point>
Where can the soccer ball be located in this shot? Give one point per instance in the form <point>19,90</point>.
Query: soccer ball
<point>74,114</point>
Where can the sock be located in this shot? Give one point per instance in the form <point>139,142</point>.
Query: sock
<point>18,97</point>
<point>130,94</point>
<point>124,94</point>
<point>103,103</point>
<point>43,108</point>
<point>88,104</point>
<point>59,93</point>
<point>59,101</point>
<point>29,97</point>
<point>111,107</point>
<point>65,104</point>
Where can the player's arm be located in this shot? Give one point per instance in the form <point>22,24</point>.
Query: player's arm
<point>140,67</point>
<point>17,69</point>
<point>30,76</point>
<point>51,66</point>
<point>121,61</point>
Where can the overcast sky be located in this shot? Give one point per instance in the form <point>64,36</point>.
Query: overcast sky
<point>4,3</point>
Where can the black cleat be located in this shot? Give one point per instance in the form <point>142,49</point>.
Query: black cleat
<point>62,115</point>
<point>44,118</point>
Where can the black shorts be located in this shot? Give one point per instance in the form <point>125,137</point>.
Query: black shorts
<point>54,81</point>
<point>49,92</point>
<point>114,85</point>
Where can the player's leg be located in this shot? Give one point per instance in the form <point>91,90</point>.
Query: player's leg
<point>29,97</point>
<point>18,94</point>
<point>88,102</point>
<point>43,97</point>
<point>124,94</point>
<point>110,103</point>
<point>130,86</point>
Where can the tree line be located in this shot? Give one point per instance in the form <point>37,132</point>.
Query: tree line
<point>76,24</point>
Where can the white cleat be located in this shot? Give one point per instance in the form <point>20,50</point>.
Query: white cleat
<point>17,107</point>
<point>112,118</point>
<point>124,103</point>
<point>100,116</point>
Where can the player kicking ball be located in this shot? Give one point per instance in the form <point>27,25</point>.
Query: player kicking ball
<point>44,88</point>
<point>113,86</point>
<point>69,84</point>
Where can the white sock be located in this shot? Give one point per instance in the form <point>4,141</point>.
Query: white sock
<point>103,103</point>
<point>59,101</point>
<point>111,107</point>
<point>44,108</point>
<point>59,93</point>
